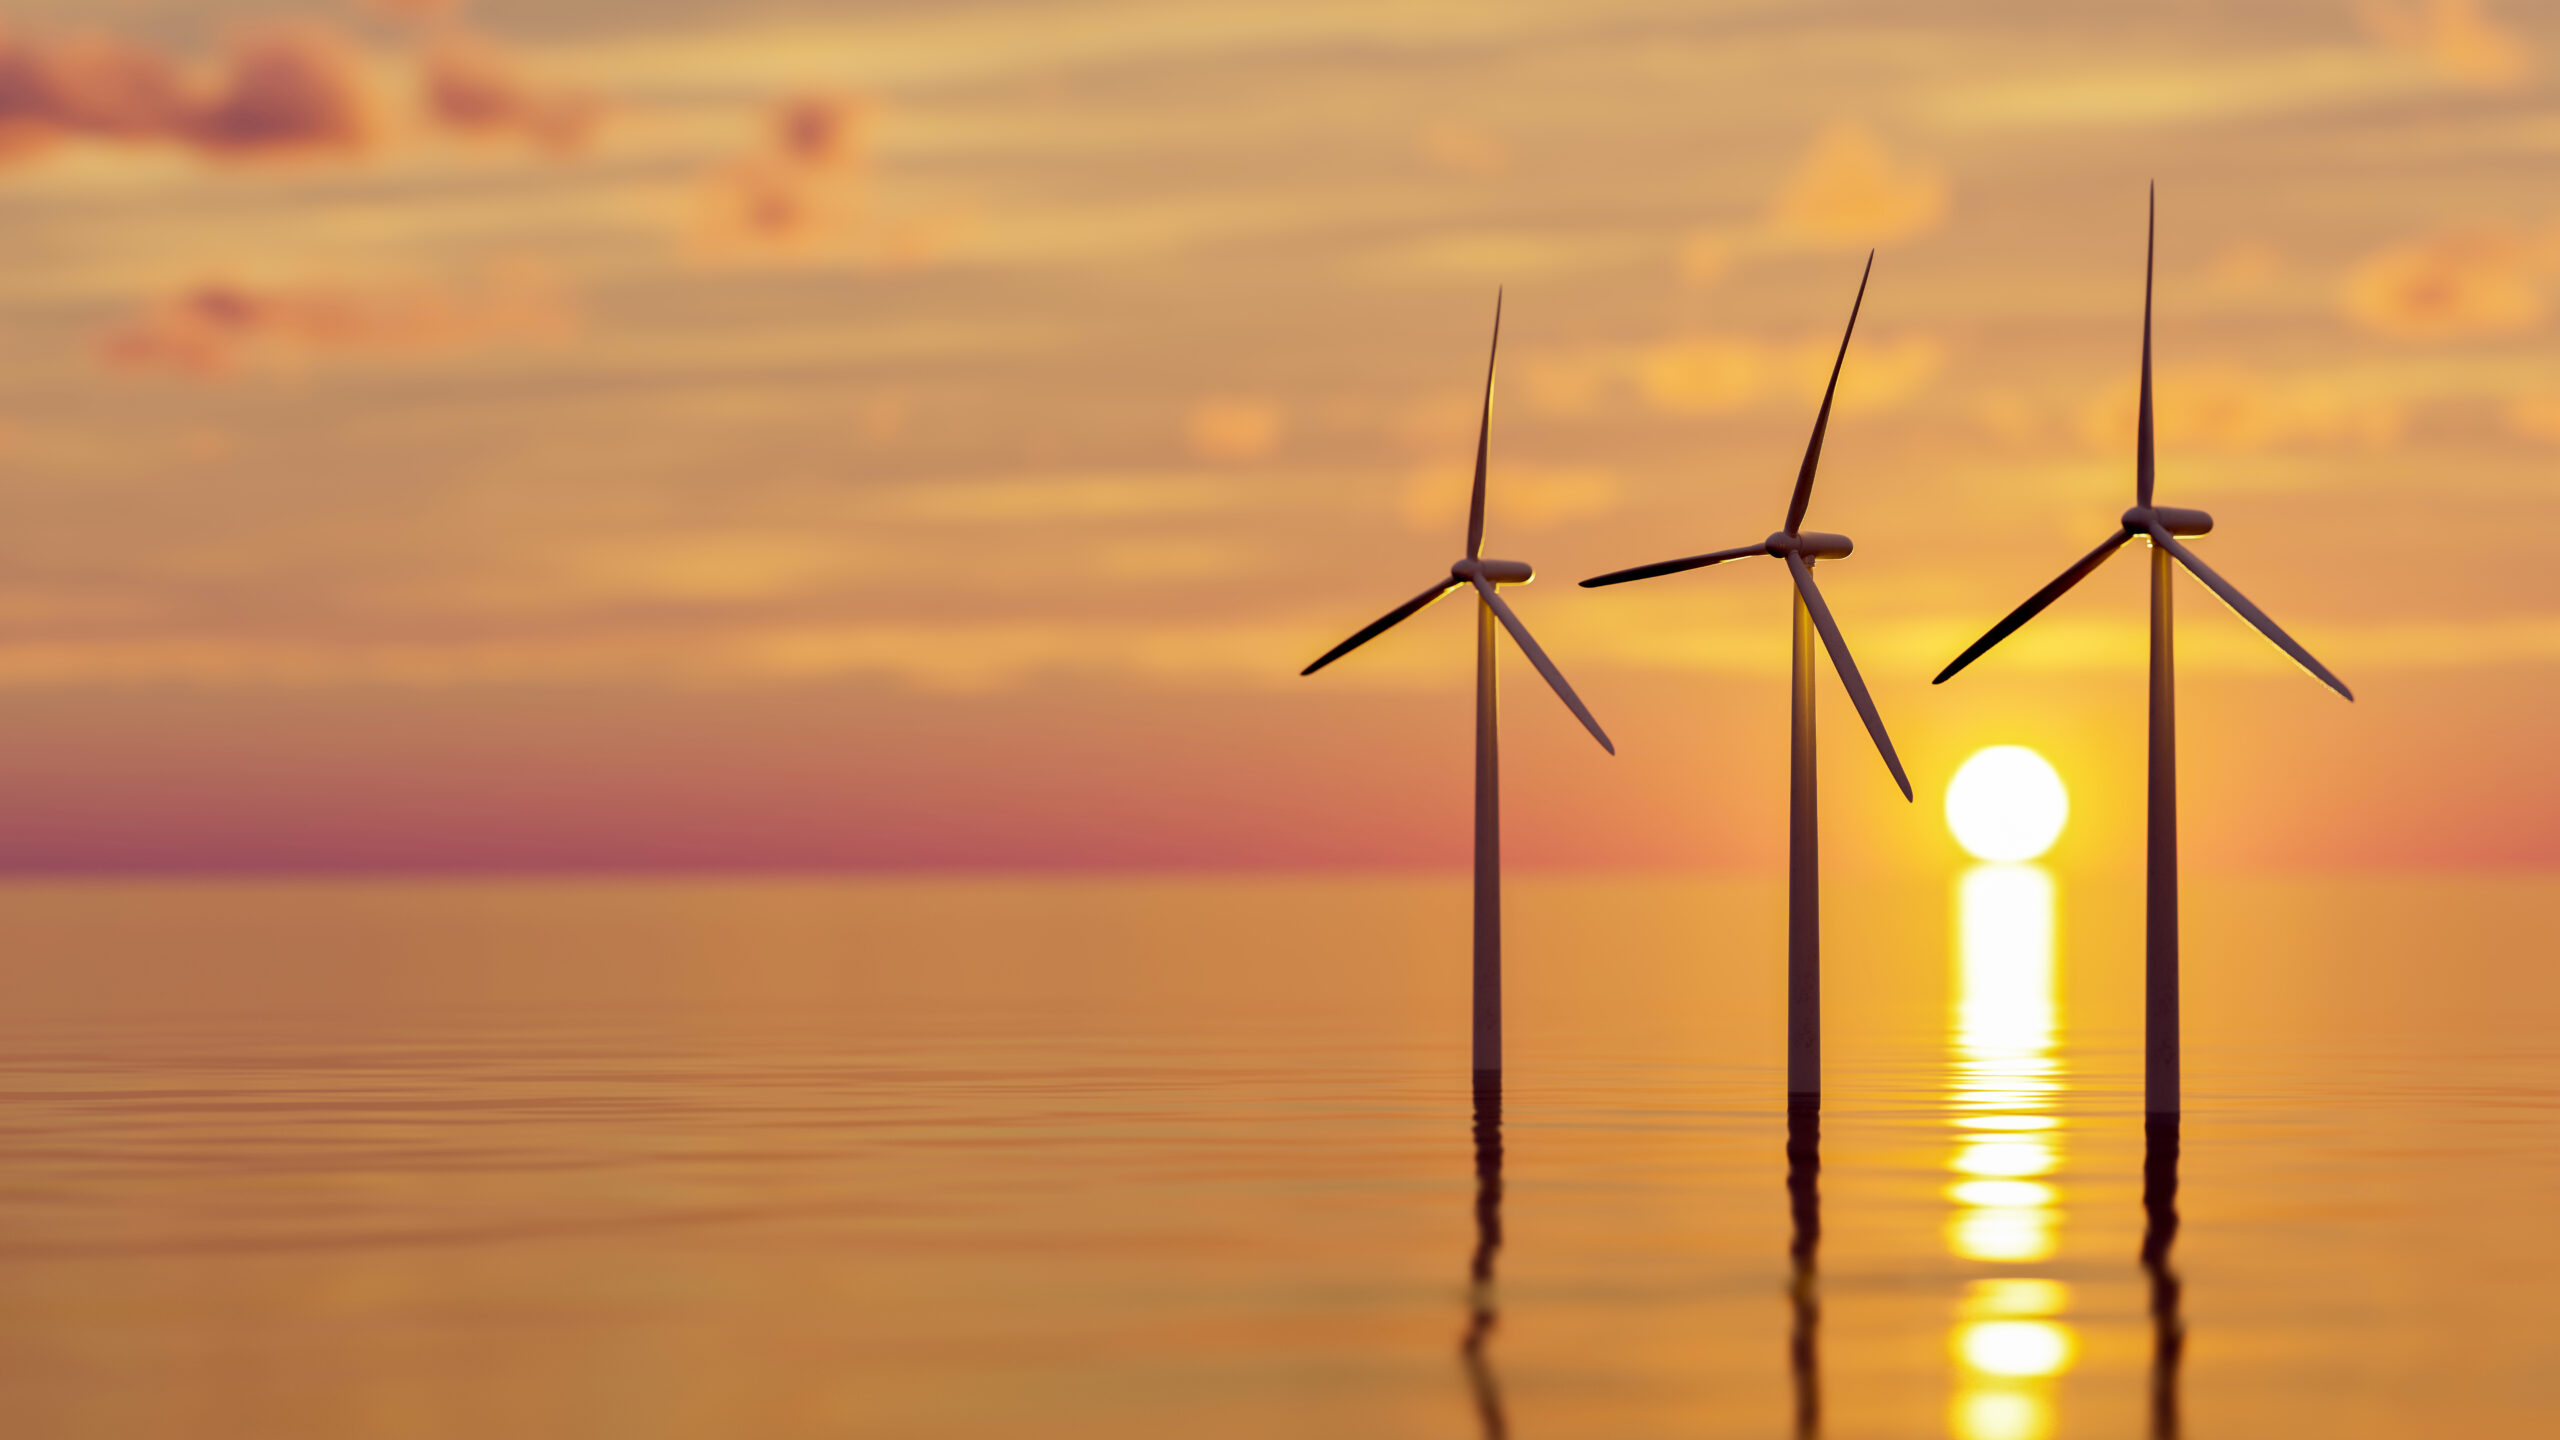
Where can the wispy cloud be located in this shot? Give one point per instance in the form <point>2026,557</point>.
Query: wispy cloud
<point>2075,92</point>
<point>2478,280</point>
<point>1847,192</point>
<point>1724,372</point>
<point>1670,637</point>
<point>1463,149</point>
<point>1233,427</point>
<point>1721,373</point>
<point>218,328</point>
<point>2455,38</point>
<point>1850,191</point>
<point>1718,374</point>
<point>961,656</point>
<point>2233,409</point>
<point>1231,652</point>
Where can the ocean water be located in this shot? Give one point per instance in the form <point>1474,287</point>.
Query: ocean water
<point>1139,1157</point>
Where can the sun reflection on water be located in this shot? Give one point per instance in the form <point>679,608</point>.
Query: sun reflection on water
<point>2010,1339</point>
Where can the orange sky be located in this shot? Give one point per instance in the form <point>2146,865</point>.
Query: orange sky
<point>587,433</point>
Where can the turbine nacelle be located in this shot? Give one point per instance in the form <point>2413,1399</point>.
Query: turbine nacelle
<point>1811,544</point>
<point>2139,519</point>
<point>1798,548</point>
<point>1481,576</point>
<point>1499,572</point>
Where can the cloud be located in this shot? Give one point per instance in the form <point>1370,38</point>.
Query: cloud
<point>757,205</point>
<point>1233,428</point>
<point>819,132</point>
<point>282,91</point>
<point>471,88</point>
<point>800,195</point>
<point>86,86</point>
<point>1713,373</point>
<point>286,91</point>
<point>1720,374</point>
<point>2479,281</point>
<point>1849,190</point>
<point>1704,374</point>
<point>216,329</point>
<point>799,188</point>
<point>278,92</point>
<point>2455,38</point>
<point>2228,409</point>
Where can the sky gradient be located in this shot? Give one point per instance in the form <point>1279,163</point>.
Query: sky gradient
<point>557,434</point>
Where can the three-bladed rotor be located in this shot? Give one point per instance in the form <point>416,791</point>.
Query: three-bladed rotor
<point>1799,548</point>
<point>1482,574</point>
<point>2160,525</point>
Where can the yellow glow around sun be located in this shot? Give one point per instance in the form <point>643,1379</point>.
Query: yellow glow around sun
<point>2006,803</point>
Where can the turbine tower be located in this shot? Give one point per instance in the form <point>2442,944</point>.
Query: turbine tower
<point>1800,548</point>
<point>1484,575</point>
<point>2159,526</point>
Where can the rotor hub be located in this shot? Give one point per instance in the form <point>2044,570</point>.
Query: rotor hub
<point>2176,521</point>
<point>1811,544</point>
<point>1499,572</point>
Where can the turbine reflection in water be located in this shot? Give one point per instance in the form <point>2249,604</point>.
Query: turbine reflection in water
<point>2159,1234</point>
<point>1481,1313</point>
<point>1804,1204</point>
<point>2010,1339</point>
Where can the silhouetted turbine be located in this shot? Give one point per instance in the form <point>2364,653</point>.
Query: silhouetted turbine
<point>1484,575</point>
<point>2159,526</point>
<point>1800,548</point>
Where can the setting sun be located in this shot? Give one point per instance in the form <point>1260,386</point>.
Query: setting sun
<point>2006,803</point>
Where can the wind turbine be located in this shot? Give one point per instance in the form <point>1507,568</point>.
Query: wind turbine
<point>1800,548</point>
<point>2159,526</point>
<point>1484,575</point>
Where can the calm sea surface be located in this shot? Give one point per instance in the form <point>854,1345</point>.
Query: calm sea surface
<point>1201,1158</point>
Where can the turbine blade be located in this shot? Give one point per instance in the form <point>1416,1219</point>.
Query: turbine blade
<point>1484,433</point>
<point>1383,624</point>
<point>1674,567</point>
<point>1546,667</point>
<point>2078,572</point>
<point>1848,669</point>
<point>1822,418</point>
<point>2232,597</point>
<point>2142,449</point>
